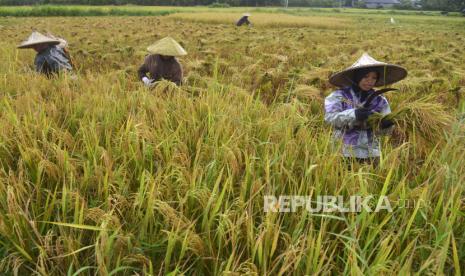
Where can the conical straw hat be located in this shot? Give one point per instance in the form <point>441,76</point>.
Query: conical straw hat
<point>37,38</point>
<point>63,42</point>
<point>388,73</point>
<point>167,47</point>
<point>246,14</point>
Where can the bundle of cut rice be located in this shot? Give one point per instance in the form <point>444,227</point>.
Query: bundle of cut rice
<point>424,119</point>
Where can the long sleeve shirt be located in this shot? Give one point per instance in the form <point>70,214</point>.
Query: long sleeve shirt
<point>52,60</point>
<point>357,140</point>
<point>159,68</point>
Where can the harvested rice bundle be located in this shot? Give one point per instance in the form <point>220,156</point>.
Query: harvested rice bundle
<point>424,118</point>
<point>165,86</point>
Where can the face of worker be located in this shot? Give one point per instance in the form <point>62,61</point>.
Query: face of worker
<point>368,81</point>
<point>40,47</point>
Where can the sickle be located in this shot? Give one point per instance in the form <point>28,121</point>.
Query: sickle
<point>377,93</point>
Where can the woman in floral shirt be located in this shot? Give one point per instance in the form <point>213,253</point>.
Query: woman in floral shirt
<point>347,112</point>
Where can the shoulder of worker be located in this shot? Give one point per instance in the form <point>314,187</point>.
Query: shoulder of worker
<point>340,93</point>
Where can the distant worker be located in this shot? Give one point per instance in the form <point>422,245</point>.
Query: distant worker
<point>162,62</point>
<point>347,109</point>
<point>52,56</point>
<point>244,20</point>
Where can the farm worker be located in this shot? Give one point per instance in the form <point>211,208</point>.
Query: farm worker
<point>162,62</point>
<point>348,108</point>
<point>244,20</point>
<point>52,56</point>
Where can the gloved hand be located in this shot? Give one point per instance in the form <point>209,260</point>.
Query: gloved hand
<point>147,81</point>
<point>361,114</point>
<point>385,123</point>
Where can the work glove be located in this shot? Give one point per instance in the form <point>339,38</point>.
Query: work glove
<point>385,123</point>
<point>361,114</point>
<point>147,81</point>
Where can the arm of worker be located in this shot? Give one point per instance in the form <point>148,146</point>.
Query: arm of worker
<point>336,115</point>
<point>386,125</point>
<point>142,73</point>
<point>45,65</point>
<point>40,64</point>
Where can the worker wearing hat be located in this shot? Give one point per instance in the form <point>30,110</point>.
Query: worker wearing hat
<point>51,56</point>
<point>162,62</point>
<point>348,108</point>
<point>244,20</point>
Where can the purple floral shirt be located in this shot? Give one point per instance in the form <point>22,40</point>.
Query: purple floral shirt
<point>358,140</point>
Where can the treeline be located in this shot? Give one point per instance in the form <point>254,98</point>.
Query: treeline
<point>444,5</point>
<point>257,3</point>
<point>45,11</point>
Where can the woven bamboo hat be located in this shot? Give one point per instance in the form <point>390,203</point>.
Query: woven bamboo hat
<point>37,38</point>
<point>388,73</point>
<point>167,47</point>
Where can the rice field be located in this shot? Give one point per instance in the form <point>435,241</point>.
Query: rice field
<point>103,176</point>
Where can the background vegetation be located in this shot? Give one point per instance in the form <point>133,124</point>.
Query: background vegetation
<point>80,10</point>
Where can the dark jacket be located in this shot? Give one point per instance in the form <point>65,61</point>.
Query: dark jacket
<point>52,60</point>
<point>243,20</point>
<point>160,68</point>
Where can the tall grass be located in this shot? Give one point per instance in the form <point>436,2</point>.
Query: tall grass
<point>100,175</point>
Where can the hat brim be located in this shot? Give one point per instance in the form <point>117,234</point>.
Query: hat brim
<point>31,45</point>
<point>163,53</point>
<point>174,52</point>
<point>167,47</point>
<point>388,74</point>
